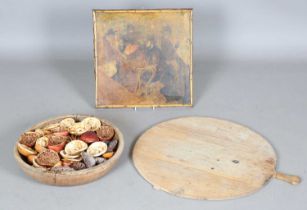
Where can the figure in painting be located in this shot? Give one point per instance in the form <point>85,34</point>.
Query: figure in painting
<point>147,65</point>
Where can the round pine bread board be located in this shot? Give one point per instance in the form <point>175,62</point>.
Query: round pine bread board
<point>206,158</point>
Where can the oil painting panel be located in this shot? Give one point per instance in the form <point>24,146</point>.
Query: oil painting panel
<point>143,57</point>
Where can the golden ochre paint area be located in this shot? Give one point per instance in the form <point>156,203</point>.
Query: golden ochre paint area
<point>143,58</point>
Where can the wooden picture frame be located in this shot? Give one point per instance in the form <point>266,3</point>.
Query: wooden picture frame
<point>143,58</point>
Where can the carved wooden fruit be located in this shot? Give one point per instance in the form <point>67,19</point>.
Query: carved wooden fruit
<point>66,178</point>
<point>206,158</point>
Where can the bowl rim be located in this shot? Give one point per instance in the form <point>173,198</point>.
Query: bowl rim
<point>109,163</point>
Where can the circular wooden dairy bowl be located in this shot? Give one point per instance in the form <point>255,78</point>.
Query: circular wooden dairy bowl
<point>206,158</point>
<point>69,178</point>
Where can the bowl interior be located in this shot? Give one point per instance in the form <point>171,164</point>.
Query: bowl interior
<point>103,166</point>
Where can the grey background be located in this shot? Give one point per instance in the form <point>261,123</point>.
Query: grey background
<point>249,67</point>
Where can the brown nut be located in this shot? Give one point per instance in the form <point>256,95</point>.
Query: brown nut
<point>58,147</point>
<point>105,133</point>
<point>28,138</point>
<point>47,158</point>
<point>57,143</point>
<point>56,140</point>
<point>78,165</point>
<point>36,165</point>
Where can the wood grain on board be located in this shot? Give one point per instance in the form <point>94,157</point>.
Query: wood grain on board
<point>205,158</point>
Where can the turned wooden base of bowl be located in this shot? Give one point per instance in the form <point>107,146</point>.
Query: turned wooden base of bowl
<point>70,178</point>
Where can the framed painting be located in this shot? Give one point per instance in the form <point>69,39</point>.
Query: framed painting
<point>143,58</point>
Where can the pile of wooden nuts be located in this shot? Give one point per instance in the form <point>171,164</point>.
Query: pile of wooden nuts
<point>69,145</point>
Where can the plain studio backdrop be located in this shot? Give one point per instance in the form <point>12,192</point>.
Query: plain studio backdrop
<point>249,67</point>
